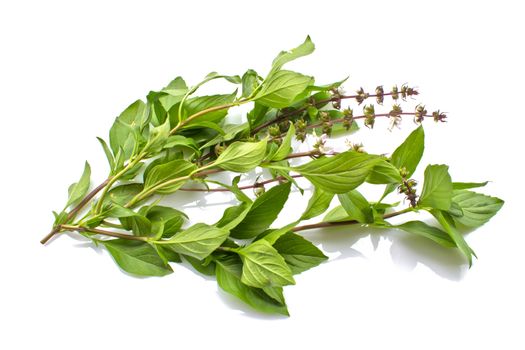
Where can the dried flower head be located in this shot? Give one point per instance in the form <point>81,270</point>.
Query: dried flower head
<point>361,96</point>
<point>380,94</point>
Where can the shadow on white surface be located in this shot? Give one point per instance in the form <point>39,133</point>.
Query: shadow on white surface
<point>406,251</point>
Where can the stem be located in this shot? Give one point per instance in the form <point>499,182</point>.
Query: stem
<point>282,117</point>
<point>255,185</point>
<point>104,232</point>
<point>333,121</point>
<point>75,210</point>
<point>344,223</point>
<point>114,179</point>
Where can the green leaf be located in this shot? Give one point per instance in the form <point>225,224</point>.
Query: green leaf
<point>107,152</point>
<point>271,236</point>
<point>318,203</point>
<point>341,173</point>
<point>123,194</point>
<point>257,114</point>
<point>422,229</point>
<point>233,216</point>
<point>250,81</point>
<point>263,212</point>
<point>170,171</point>
<point>242,157</point>
<point>448,224</point>
<point>263,266</point>
<point>136,257</point>
<point>437,188</point>
<point>306,48</point>
<point>476,208</point>
<point>281,88</point>
<point>356,206</point>
<point>77,190</point>
<point>228,271</point>
<point>199,241</point>
<point>409,153</point>
<point>286,145</point>
<point>132,119</point>
<point>467,185</point>
<point>230,132</point>
<point>172,219</point>
<point>384,173</point>
<point>157,138</point>
<point>197,104</point>
<point>299,254</point>
<point>203,266</point>
<point>337,214</point>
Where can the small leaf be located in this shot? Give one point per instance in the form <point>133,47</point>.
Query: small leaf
<point>123,194</point>
<point>437,188</point>
<point>228,271</point>
<point>263,266</point>
<point>132,119</point>
<point>242,157</point>
<point>299,254</point>
<point>263,212</point>
<point>318,204</point>
<point>250,81</point>
<point>467,185</point>
<point>341,173</point>
<point>107,152</point>
<point>281,88</point>
<point>199,241</point>
<point>476,208</point>
<point>172,219</point>
<point>408,154</point>
<point>286,145</point>
<point>356,206</point>
<point>171,171</point>
<point>77,190</point>
<point>138,258</point>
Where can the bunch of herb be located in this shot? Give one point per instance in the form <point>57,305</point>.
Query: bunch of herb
<point>175,141</point>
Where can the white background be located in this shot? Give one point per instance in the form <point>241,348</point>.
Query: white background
<point>68,68</point>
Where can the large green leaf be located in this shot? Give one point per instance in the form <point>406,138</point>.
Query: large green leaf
<point>341,173</point>
<point>228,271</point>
<point>299,253</point>
<point>136,257</point>
<point>77,190</point>
<point>199,241</point>
<point>476,208</point>
<point>437,188</point>
<point>169,171</point>
<point>263,212</point>
<point>242,156</point>
<point>282,88</point>
<point>263,266</point>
